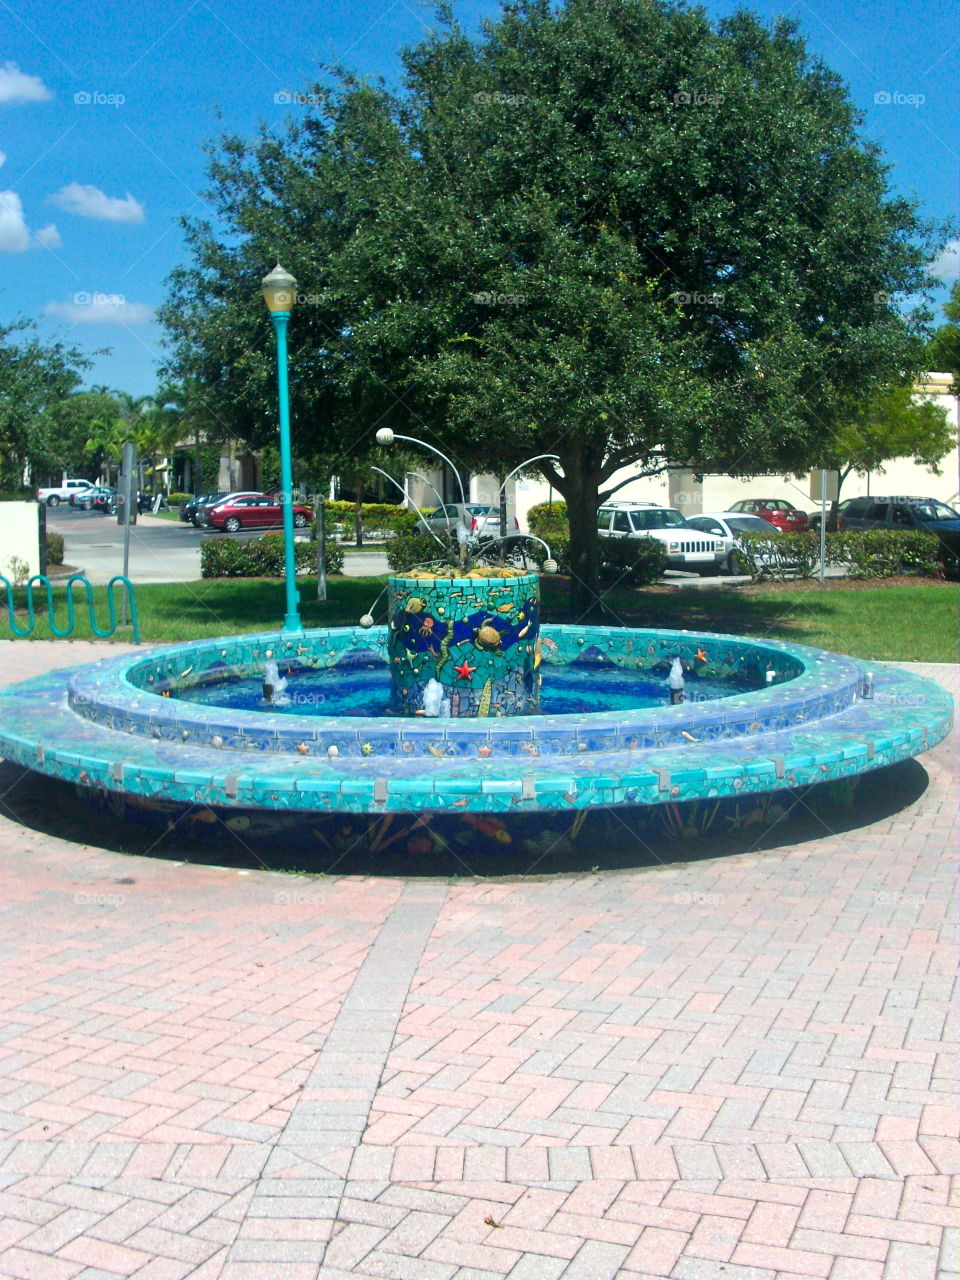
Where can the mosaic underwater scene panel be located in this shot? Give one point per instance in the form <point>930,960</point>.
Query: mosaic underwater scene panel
<point>464,647</point>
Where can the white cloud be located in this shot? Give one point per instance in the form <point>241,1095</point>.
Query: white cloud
<point>48,237</point>
<point>947,265</point>
<point>14,236</point>
<point>17,86</point>
<point>90,202</point>
<point>99,308</point>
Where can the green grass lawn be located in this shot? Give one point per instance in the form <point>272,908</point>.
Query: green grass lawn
<point>905,620</point>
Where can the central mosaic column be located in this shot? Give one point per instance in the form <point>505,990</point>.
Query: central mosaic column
<point>466,646</point>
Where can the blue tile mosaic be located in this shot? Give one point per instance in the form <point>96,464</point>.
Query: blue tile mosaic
<point>812,726</point>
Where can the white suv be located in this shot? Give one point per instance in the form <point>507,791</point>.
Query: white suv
<point>686,548</point>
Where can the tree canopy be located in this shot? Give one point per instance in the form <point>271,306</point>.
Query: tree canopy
<point>611,230</point>
<point>35,377</point>
<point>943,353</point>
<point>895,423</point>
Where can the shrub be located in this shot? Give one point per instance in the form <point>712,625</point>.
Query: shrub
<point>559,549</point>
<point>406,550</point>
<point>54,548</point>
<point>178,499</point>
<point>638,561</point>
<point>401,522</point>
<point>369,510</point>
<point>261,557</point>
<point>330,523</point>
<point>546,519</point>
<point>779,555</point>
<point>882,553</point>
<point>378,517</point>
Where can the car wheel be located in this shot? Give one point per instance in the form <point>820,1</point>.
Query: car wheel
<point>231,524</point>
<point>53,501</point>
<point>299,520</point>
<point>734,564</point>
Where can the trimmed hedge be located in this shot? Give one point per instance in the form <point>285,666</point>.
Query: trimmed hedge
<point>261,557</point>
<point>638,561</point>
<point>369,510</point>
<point>884,553</point>
<point>863,553</point>
<point>779,555</point>
<point>178,499</point>
<point>54,548</point>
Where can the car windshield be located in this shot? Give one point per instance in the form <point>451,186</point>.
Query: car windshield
<point>935,511</point>
<point>659,518</point>
<point>476,510</point>
<point>775,504</point>
<point>748,524</point>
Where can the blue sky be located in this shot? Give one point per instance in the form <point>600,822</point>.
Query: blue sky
<point>103,110</point>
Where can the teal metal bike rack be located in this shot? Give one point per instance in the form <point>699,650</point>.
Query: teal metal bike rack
<point>75,579</point>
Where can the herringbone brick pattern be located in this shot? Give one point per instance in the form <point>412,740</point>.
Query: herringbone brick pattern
<point>738,1069</point>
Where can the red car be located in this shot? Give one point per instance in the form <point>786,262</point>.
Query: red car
<point>254,511</point>
<point>775,511</point>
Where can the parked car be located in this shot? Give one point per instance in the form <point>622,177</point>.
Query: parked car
<point>253,511</point>
<point>727,525</point>
<point>83,498</point>
<point>687,548</point>
<point>204,503</point>
<point>53,495</point>
<point>925,514</point>
<point>188,510</point>
<point>202,517</point>
<point>776,511</point>
<point>814,517</point>
<point>100,498</point>
<point>478,520</point>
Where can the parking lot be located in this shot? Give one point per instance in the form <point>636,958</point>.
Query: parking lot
<point>169,551</point>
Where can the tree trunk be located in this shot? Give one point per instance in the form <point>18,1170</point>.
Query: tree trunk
<point>834,505</point>
<point>358,513</point>
<point>580,489</point>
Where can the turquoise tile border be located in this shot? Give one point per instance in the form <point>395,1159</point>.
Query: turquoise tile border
<point>115,732</point>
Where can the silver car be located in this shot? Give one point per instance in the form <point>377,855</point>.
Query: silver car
<point>477,520</point>
<point>727,525</point>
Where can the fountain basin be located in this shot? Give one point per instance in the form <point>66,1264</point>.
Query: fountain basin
<point>109,727</point>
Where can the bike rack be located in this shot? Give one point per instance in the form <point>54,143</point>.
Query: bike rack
<point>74,579</point>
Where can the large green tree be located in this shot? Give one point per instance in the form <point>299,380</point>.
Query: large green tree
<point>943,353</point>
<point>35,377</point>
<point>611,230</point>
<point>896,423</point>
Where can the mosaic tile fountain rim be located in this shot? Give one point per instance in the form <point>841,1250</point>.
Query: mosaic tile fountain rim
<point>810,728</point>
<point>128,697</point>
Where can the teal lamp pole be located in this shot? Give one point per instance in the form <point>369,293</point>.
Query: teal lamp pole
<point>280,293</point>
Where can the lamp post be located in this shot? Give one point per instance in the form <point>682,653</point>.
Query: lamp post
<point>280,293</point>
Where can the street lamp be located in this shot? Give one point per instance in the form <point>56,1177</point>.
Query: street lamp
<point>280,293</point>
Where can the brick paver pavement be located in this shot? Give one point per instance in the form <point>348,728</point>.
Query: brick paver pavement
<point>737,1069</point>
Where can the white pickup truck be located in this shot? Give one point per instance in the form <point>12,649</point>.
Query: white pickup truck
<point>58,493</point>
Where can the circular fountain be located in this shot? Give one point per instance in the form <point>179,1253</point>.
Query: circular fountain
<point>466,711</point>
<point>778,716</point>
